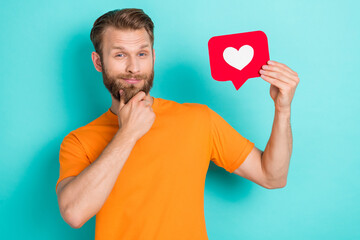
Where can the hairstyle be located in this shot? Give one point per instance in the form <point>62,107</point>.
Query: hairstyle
<point>124,19</point>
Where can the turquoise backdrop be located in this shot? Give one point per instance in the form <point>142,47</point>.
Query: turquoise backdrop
<point>49,87</point>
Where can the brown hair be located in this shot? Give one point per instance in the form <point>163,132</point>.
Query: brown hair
<point>126,18</point>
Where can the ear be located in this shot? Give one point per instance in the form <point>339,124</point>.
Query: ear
<point>96,61</point>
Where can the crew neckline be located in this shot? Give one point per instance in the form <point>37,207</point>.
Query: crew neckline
<point>113,116</point>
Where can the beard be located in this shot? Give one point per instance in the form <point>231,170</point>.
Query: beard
<point>115,83</point>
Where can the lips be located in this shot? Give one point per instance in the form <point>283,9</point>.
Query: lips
<point>132,80</point>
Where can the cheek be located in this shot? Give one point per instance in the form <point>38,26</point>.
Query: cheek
<point>115,67</point>
<point>147,66</point>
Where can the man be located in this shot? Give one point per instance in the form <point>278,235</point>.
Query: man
<point>141,166</point>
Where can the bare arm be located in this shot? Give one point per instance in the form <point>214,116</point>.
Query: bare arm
<point>81,197</point>
<point>85,194</point>
<point>276,157</point>
<point>270,168</point>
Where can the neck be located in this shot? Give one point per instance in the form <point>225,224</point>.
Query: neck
<point>115,103</point>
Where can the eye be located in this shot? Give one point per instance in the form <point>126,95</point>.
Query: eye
<point>144,54</point>
<point>119,54</point>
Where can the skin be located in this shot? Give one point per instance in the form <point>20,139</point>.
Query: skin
<point>81,197</point>
<point>130,62</point>
<point>269,168</point>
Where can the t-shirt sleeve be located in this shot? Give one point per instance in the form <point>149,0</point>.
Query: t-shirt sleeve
<point>229,148</point>
<point>72,157</point>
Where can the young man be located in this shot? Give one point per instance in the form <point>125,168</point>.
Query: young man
<point>141,166</point>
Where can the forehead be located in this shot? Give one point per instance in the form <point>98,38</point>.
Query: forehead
<point>129,39</point>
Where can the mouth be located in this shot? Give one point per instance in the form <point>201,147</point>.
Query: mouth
<point>132,80</point>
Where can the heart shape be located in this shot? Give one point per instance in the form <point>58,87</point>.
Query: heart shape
<point>238,59</point>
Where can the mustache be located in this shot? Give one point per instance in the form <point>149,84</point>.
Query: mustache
<point>137,77</point>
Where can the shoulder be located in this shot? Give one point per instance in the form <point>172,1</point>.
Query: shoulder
<point>194,108</point>
<point>98,125</point>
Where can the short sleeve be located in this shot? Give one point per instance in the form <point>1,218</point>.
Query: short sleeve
<point>229,148</point>
<point>72,157</point>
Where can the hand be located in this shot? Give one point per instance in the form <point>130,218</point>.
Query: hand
<point>283,82</point>
<point>136,117</point>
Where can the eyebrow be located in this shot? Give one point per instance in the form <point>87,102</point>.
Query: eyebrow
<point>122,48</point>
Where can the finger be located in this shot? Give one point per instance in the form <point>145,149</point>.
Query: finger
<point>276,82</point>
<point>283,66</point>
<point>149,104</point>
<point>122,101</point>
<point>138,97</point>
<point>277,75</point>
<point>279,70</point>
<point>146,103</point>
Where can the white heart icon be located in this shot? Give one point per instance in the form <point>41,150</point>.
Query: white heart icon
<point>238,59</point>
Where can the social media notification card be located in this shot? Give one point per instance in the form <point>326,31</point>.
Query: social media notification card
<point>238,57</point>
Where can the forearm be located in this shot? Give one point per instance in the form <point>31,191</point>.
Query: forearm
<point>276,156</point>
<point>84,196</point>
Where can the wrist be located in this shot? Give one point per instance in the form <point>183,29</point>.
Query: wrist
<point>125,134</point>
<point>283,110</point>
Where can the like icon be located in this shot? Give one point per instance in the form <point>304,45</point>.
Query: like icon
<point>238,57</point>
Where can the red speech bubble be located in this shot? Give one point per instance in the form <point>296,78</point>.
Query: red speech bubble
<point>238,57</point>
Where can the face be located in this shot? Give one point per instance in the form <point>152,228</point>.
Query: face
<point>127,54</point>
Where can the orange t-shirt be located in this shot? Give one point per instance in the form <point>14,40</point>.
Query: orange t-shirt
<point>159,193</point>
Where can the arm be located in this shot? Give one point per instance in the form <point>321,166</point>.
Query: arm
<point>81,197</point>
<point>276,157</point>
<point>270,168</point>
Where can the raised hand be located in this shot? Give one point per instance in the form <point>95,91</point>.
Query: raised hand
<point>136,117</point>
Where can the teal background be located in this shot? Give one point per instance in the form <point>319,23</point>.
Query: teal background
<point>49,87</point>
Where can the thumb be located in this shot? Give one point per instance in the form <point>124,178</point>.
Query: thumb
<point>122,101</point>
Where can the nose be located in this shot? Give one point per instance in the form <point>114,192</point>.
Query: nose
<point>132,65</point>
